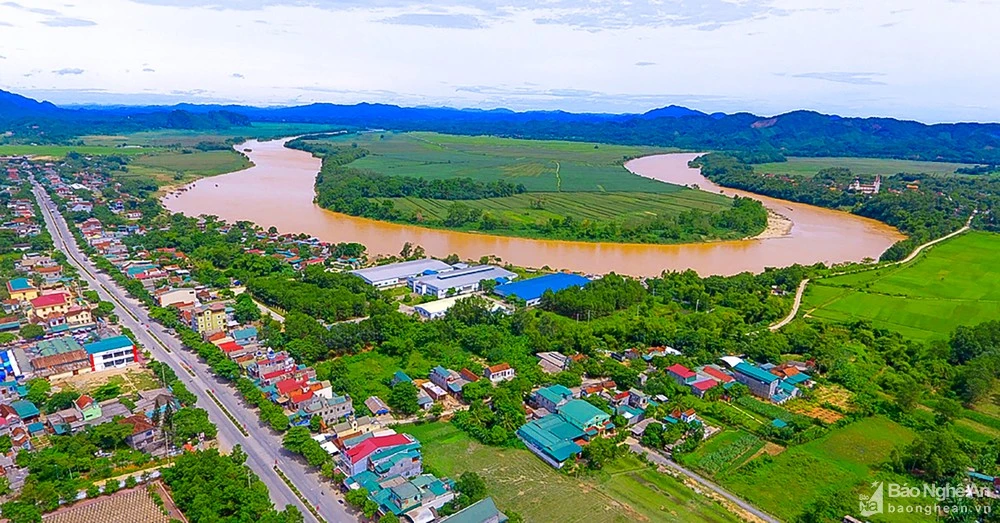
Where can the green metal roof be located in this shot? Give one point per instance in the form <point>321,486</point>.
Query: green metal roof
<point>477,512</point>
<point>755,372</point>
<point>60,345</point>
<point>553,436</point>
<point>582,414</point>
<point>25,409</point>
<point>555,393</point>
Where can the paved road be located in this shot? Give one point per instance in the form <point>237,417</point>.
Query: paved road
<point>660,459</point>
<point>916,252</point>
<point>795,306</point>
<point>263,447</point>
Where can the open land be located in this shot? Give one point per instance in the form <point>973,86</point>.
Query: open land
<point>547,166</point>
<point>954,283</point>
<point>860,166</point>
<point>840,463</point>
<point>627,490</point>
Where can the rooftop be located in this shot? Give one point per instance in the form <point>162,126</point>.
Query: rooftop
<point>463,277</point>
<point>755,372</point>
<point>533,288</point>
<point>108,344</point>
<point>400,270</point>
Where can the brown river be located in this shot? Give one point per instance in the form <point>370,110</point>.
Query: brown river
<point>278,191</point>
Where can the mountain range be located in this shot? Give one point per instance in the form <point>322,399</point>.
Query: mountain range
<point>797,133</point>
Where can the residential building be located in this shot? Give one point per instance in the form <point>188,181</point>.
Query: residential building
<point>498,373</point>
<point>48,304</point>
<point>459,281</point>
<point>401,460</point>
<point>395,274</point>
<point>376,406</point>
<point>552,397</point>
<point>209,319</point>
<point>553,362</point>
<point>356,453</point>
<point>245,336</point>
<point>168,297</point>
<point>482,511</point>
<point>557,437</point>
<point>78,317</point>
<point>21,289</point>
<point>87,408</point>
<point>681,374</point>
<point>145,436</point>
<point>415,500</point>
<point>108,353</point>
<point>50,273</point>
<point>532,289</point>
<point>447,379</point>
<point>330,409</point>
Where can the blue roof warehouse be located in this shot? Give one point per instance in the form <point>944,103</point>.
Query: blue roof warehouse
<point>531,290</point>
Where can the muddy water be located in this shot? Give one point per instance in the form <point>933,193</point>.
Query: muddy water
<point>278,191</point>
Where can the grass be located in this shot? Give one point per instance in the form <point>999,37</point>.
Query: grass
<point>540,207</point>
<point>540,165</point>
<point>841,462</point>
<point>859,166</point>
<point>955,283</point>
<point>626,490</point>
<point>186,138</point>
<point>707,457</point>
<point>179,167</point>
<point>58,151</point>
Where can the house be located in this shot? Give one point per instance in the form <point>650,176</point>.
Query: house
<point>681,374</point>
<point>21,289</point>
<point>699,388</point>
<point>87,408</point>
<point>717,374</point>
<point>145,436</point>
<point>171,296</point>
<point>557,437</point>
<point>448,380</point>
<point>209,319</point>
<point>356,452</point>
<point>498,373</point>
<point>48,304</point>
<point>81,206</point>
<point>245,336</point>
<point>401,460</point>
<point>532,289</point>
<point>482,511</point>
<point>393,274</point>
<point>552,397</point>
<point>330,409</point>
<point>399,377</point>
<point>415,500</point>
<point>764,384</point>
<point>792,375</point>
<point>25,410</point>
<point>77,317</point>
<point>376,405</point>
<point>108,353</point>
<point>553,362</point>
<point>686,416</point>
<point>459,281</point>
<point>49,274</point>
<point>433,310</point>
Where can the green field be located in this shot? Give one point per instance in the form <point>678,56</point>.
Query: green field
<point>548,166</point>
<point>860,166</point>
<point>841,463</point>
<point>955,283</point>
<point>725,450</point>
<point>58,151</point>
<point>540,207</point>
<point>177,167</point>
<point>186,138</point>
<point>625,491</point>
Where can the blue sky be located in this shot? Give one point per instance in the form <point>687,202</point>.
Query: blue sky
<point>929,60</point>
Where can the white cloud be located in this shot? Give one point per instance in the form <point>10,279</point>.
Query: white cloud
<point>892,57</point>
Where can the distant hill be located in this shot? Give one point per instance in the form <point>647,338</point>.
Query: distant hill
<point>757,138</point>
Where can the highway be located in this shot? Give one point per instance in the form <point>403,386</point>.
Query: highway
<point>263,446</point>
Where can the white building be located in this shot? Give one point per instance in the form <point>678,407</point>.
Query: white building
<point>395,274</point>
<point>461,281</point>
<point>111,353</point>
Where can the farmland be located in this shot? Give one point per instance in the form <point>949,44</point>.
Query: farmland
<point>627,490</point>
<point>547,166</point>
<point>860,166</point>
<point>841,463</point>
<point>954,283</point>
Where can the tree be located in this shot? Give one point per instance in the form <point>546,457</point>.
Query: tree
<point>246,311</point>
<point>21,512</point>
<point>38,390</point>
<point>388,517</point>
<point>189,422</point>
<point>600,452</point>
<point>315,423</point>
<point>471,486</point>
<point>104,309</point>
<point>947,410</point>
<point>356,498</point>
<point>653,436</point>
<point>403,398</point>
<point>32,331</point>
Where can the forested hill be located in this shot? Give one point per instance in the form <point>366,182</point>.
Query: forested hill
<point>31,121</point>
<point>798,133</point>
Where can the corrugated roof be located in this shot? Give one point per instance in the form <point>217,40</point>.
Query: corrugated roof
<point>533,288</point>
<point>755,372</point>
<point>400,271</point>
<point>108,344</point>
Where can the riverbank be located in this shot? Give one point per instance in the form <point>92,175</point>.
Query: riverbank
<point>278,191</point>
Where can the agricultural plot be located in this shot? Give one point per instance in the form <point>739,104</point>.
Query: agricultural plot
<point>540,207</point>
<point>724,451</point>
<point>178,167</point>
<point>190,138</point>
<point>860,166</point>
<point>955,283</point>
<point>625,491</point>
<point>821,395</point>
<point>842,462</point>
<point>59,151</point>
<point>548,166</point>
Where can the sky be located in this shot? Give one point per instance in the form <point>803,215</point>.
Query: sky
<point>928,60</point>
